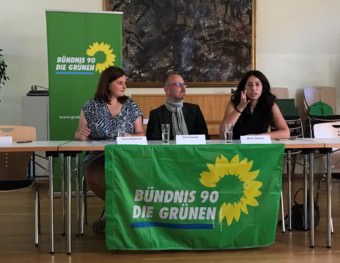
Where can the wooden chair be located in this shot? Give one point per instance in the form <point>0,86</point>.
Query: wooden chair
<point>316,94</point>
<point>280,92</point>
<point>319,93</point>
<point>295,125</point>
<point>16,168</point>
<point>329,130</point>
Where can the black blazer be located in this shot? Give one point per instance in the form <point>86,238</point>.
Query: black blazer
<point>192,115</point>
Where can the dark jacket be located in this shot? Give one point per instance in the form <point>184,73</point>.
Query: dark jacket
<point>193,118</point>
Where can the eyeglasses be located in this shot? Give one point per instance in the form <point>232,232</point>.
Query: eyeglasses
<point>177,84</point>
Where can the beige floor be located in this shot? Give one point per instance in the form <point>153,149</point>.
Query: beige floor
<point>16,239</point>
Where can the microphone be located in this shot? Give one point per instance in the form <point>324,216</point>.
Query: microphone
<point>37,90</point>
<point>35,87</point>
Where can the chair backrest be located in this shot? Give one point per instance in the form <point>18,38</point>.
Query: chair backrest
<point>291,115</point>
<point>19,133</point>
<point>296,128</point>
<point>280,92</point>
<point>330,130</point>
<point>327,130</point>
<point>311,121</point>
<point>13,165</point>
<point>316,94</point>
<point>287,108</point>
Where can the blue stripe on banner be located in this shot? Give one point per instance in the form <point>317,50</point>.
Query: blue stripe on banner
<point>167,225</point>
<point>74,72</point>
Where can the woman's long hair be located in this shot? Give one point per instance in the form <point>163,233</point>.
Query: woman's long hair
<point>103,87</point>
<point>266,99</point>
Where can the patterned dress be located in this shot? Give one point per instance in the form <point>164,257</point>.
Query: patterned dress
<point>104,126</point>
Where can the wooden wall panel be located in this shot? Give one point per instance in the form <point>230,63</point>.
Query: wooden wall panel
<point>212,106</point>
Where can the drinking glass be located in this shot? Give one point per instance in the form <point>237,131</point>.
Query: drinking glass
<point>121,132</point>
<point>228,133</point>
<point>165,133</point>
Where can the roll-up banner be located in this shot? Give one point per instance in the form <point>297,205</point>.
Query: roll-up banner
<point>80,46</point>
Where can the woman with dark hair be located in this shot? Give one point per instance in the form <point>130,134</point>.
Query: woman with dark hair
<point>100,119</point>
<point>252,109</point>
<point>109,109</point>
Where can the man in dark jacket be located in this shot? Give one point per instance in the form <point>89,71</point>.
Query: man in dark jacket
<point>184,118</point>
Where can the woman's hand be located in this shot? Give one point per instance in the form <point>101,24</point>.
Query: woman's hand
<point>84,132</point>
<point>243,101</point>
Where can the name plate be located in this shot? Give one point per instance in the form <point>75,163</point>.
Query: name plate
<point>6,139</point>
<point>132,140</point>
<point>191,139</point>
<point>255,139</point>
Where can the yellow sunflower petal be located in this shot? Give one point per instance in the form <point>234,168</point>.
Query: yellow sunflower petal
<point>108,52</point>
<point>242,170</point>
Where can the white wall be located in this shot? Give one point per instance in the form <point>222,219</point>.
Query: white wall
<point>298,44</point>
<point>23,40</point>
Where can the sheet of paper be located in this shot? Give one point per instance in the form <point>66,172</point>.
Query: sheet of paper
<point>132,140</point>
<point>191,139</point>
<point>6,139</point>
<point>255,139</point>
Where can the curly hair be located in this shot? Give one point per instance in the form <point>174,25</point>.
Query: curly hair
<point>108,75</point>
<point>266,99</point>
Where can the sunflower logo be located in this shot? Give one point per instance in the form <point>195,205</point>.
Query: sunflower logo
<point>107,52</point>
<point>237,175</point>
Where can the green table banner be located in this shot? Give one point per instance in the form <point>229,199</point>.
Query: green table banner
<point>192,197</point>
